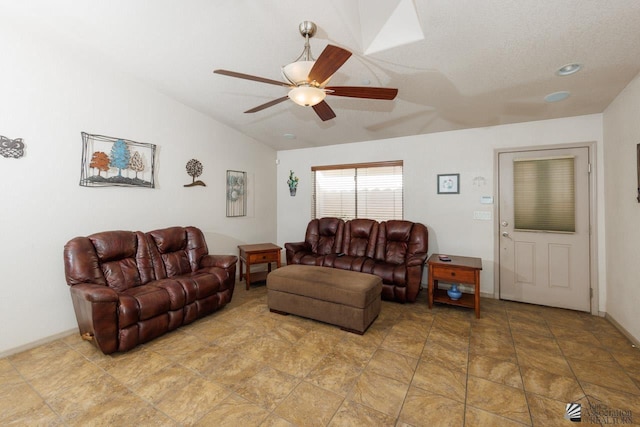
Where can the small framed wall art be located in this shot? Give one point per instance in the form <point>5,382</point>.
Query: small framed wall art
<point>449,183</point>
<point>236,193</point>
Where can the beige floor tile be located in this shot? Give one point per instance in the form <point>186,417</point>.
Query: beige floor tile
<point>189,403</point>
<point>523,326</point>
<point>379,392</point>
<point>274,420</point>
<point>393,365</point>
<point>352,414</point>
<point>575,350</point>
<point>549,412</point>
<point>207,358</point>
<point>298,360</point>
<point>17,401</point>
<point>449,339</point>
<point>335,373</point>
<point>267,388</point>
<point>454,359</point>
<point>121,411</point>
<point>56,382</point>
<point>210,329</point>
<point>537,343</point>
<point>436,377</point>
<point>287,331</point>
<point>155,388</point>
<point>422,408</point>
<point>487,346</point>
<point>557,387</point>
<point>495,370</point>
<point>175,345</point>
<point>309,405</point>
<point>555,364</point>
<point>475,417</point>
<point>613,399</point>
<point>356,351</point>
<point>232,371</point>
<point>499,399</point>
<point>403,343</point>
<point>608,375</point>
<point>263,348</point>
<point>73,402</point>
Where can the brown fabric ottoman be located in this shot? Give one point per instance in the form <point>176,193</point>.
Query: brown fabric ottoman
<point>344,298</point>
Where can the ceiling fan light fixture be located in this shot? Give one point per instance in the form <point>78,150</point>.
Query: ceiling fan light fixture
<point>307,96</point>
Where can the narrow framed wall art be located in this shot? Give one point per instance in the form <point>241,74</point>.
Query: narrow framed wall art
<point>236,193</point>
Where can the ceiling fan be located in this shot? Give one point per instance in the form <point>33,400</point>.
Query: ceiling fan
<point>307,79</point>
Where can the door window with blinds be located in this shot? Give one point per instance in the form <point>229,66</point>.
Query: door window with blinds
<point>367,190</point>
<point>544,194</point>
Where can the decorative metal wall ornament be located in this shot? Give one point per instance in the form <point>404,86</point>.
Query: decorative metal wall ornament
<point>13,148</point>
<point>194,169</point>
<point>236,193</point>
<point>127,164</point>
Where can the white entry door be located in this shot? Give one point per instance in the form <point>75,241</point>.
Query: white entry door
<point>544,227</point>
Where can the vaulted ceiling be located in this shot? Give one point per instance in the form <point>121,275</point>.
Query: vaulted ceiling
<point>456,63</point>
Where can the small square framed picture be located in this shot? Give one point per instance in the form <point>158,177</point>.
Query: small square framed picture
<point>449,183</point>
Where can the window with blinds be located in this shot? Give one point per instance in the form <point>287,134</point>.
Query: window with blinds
<point>544,194</point>
<point>367,190</point>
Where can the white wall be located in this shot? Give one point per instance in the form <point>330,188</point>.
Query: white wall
<point>622,133</point>
<point>452,229</point>
<point>47,97</point>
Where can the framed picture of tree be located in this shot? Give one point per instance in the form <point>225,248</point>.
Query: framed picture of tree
<point>109,161</point>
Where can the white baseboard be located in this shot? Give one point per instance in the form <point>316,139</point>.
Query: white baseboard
<point>624,332</point>
<point>37,343</point>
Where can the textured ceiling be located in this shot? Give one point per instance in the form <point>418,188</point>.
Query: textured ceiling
<point>457,63</point>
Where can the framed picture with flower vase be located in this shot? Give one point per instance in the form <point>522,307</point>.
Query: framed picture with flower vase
<point>449,183</point>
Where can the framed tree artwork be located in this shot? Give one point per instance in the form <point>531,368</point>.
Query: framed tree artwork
<point>109,161</point>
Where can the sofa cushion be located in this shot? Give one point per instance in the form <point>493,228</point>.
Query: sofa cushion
<point>141,303</point>
<point>123,257</point>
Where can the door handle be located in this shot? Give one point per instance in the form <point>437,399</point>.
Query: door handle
<point>505,234</point>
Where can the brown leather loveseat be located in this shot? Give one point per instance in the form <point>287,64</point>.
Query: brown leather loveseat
<point>129,287</point>
<point>393,250</point>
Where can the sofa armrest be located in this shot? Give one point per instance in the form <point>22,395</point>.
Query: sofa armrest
<point>93,292</point>
<point>96,308</point>
<point>222,261</point>
<point>298,246</point>
<point>417,259</point>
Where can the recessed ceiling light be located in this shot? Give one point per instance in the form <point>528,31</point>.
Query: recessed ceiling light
<point>567,70</point>
<point>289,136</point>
<point>557,96</point>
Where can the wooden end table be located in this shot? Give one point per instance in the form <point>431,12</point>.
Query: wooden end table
<point>258,254</point>
<point>460,269</point>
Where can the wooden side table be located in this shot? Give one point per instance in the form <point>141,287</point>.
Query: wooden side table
<point>460,269</point>
<point>258,254</point>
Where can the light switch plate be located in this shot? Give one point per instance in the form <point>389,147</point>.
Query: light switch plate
<point>486,200</point>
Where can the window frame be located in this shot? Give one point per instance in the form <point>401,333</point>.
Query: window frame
<point>356,166</point>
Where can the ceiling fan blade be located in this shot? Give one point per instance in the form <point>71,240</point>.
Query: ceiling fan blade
<point>324,111</point>
<point>250,77</point>
<point>363,92</point>
<point>267,105</point>
<point>331,58</point>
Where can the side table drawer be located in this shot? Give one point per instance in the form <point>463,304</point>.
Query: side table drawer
<point>263,257</point>
<point>454,275</point>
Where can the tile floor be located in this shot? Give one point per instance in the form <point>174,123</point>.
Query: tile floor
<point>519,365</point>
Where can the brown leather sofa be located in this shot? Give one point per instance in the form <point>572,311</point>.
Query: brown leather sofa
<point>129,287</point>
<point>393,250</point>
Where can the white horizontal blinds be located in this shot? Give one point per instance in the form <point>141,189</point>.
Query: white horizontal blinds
<point>335,193</point>
<point>369,190</point>
<point>544,194</point>
<point>379,193</point>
